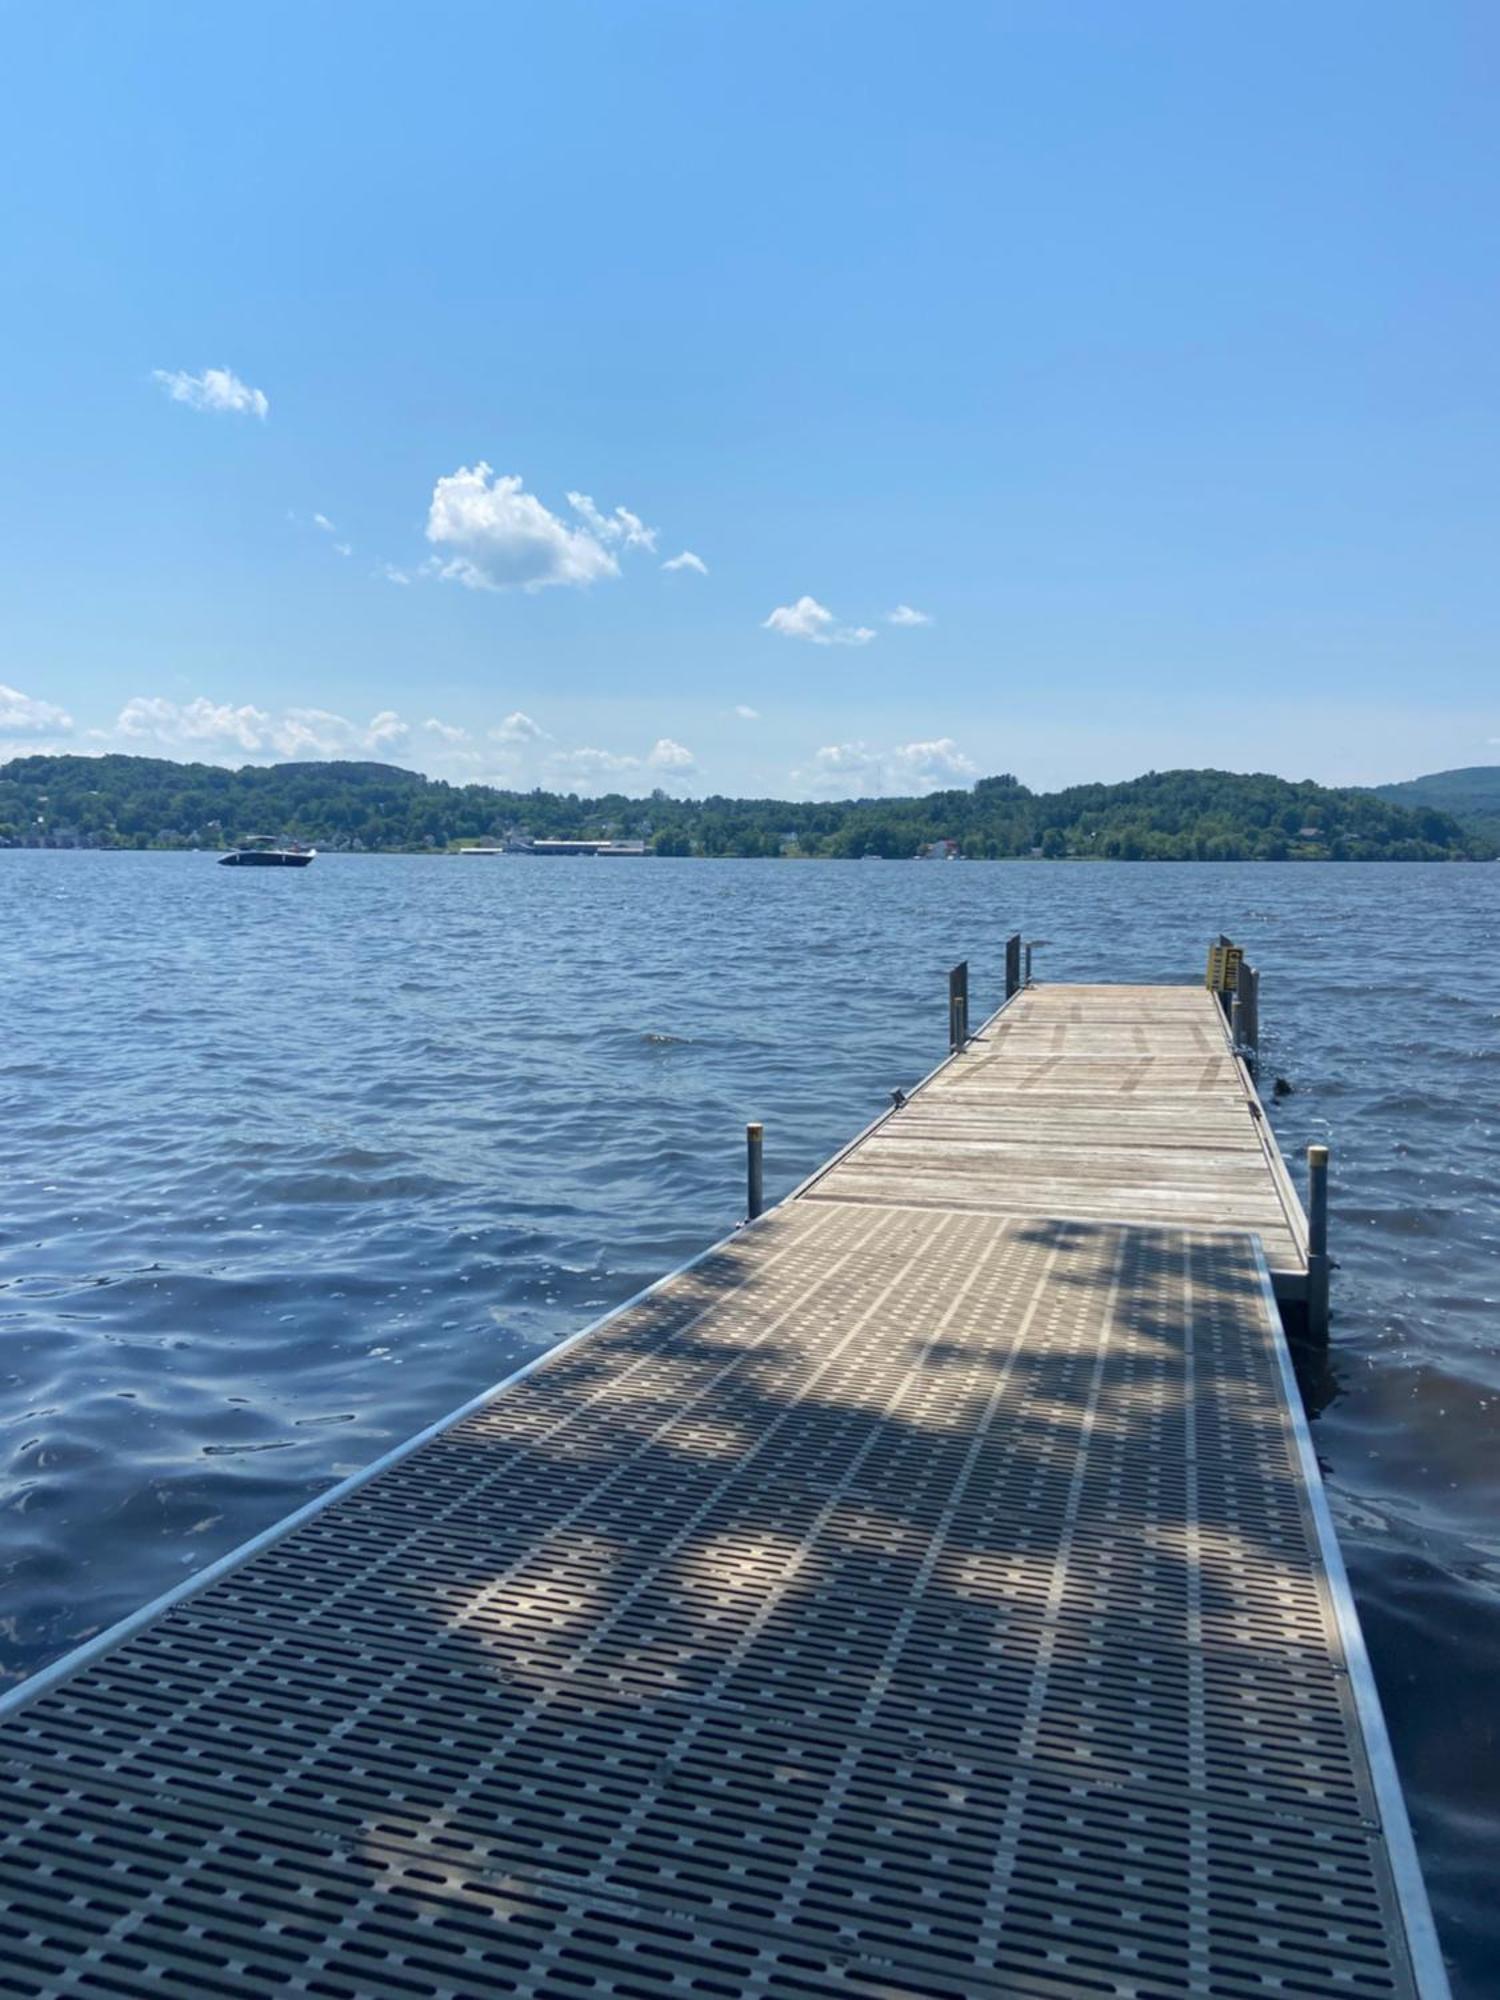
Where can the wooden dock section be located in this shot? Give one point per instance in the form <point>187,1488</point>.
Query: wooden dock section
<point>929,1591</point>
<point>1106,1103</point>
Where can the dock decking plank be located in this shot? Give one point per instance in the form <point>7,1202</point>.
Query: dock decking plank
<point>1121,1102</point>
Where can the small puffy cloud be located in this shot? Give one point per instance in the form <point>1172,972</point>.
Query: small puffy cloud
<point>590,767</point>
<point>322,521</point>
<point>672,766</point>
<point>934,766</point>
<point>843,770</point>
<point>200,721</point>
<point>807,619</point>
<point>907,614</point>
<point>687,560</point>
<point>385,728</point>
<point>745,712</point>
<point>450,732</point>
<point>296,732</point>
<point>394,575</point>
<point>491,534</point>
<point>519,728</point>
<point>621,528</point>
<point>214,389</point>
<point>25,715</point>
<point>311,732</point>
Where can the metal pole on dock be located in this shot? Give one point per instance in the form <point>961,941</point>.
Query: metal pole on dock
<point>755,1187</point>
<point>958,1007</point>
<point>1244,1015</point>
<point>1317,1242</point>
<point>1012,965</point>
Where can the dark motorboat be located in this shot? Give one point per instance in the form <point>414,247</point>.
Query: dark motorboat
<point>260,850</point>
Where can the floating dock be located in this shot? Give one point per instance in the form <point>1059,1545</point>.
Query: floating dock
<point>928,1591</point>
<point>1104,1103</point>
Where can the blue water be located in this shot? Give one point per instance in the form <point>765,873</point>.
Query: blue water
<point>295,1162</point>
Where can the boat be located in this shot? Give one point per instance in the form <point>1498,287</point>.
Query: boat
<point>262,850</point>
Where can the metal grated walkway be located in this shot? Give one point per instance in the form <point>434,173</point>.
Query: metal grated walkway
<point>900,1601</point>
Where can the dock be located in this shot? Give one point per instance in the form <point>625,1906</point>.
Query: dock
<point>1103,1103</point>
<point>929,1590</point>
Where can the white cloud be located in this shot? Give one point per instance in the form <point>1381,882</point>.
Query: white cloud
<point>845,770</point>
<point>200,721</point>
<point>25,715</point>
<point>343,549</point>
<point>322,521</point>
<point>311,732</point>
<point>393,575</point>
<point>450,732</point>
<point>665,755</point>
<point>807,619</point>
<point>590,767</point>
<point>519,728</point>
<point>906,614</point>
<point>296,732</point>
<point>385,728</point>
<point>214,389</point>
<point>746,713</point>
<point>496,536</point>
<point>937,765</point>
<point>623,528</point>
<point>687,560</point>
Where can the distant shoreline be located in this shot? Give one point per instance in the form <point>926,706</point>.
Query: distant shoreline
<point>1303,860</point>
<point>150,803</point>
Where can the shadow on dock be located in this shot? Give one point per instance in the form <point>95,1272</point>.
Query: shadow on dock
<point>899,1602</point>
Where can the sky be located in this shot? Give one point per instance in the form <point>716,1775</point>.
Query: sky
<point>796,400</point>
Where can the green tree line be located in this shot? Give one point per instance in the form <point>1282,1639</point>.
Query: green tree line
<point>117,801</point>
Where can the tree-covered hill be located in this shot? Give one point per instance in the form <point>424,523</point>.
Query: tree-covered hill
<point>115,801</point>
<point>1471,795</point>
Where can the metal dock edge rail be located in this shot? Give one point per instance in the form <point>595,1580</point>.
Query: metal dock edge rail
<point>927,1590</point>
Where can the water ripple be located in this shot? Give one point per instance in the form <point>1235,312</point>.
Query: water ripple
<point>295,1164</point>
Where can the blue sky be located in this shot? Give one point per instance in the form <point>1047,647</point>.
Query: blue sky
<point>1070,390</point>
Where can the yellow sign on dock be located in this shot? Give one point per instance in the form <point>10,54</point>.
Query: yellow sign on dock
<point>1224,961</point>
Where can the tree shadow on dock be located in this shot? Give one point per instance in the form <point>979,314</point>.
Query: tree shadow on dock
<point>927,1595</point>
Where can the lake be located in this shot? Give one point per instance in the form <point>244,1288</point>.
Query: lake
<point>296,1162</point>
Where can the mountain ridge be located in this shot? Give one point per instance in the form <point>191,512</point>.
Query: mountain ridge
<point>1470,793</point>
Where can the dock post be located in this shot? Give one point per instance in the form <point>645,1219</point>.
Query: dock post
<point>1317,1243</point>
<point>1247,991</point>
<point>1026,977</point>
<point>958,1007</point>
<point>1012,965</point>
<point>1245,1015</point>
<point>755,1192</point>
